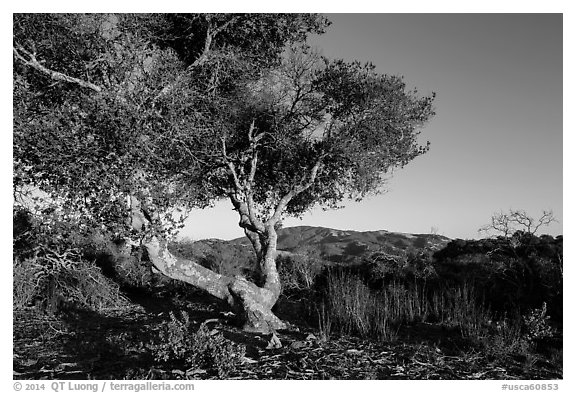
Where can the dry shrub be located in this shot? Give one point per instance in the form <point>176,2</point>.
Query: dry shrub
<point>298,271</point>
<point>357,309</point>
<point>25,288</point>
<point>506,338</point>
<point>54,279</point>
<point>461,306</point>
<point>354,308</point>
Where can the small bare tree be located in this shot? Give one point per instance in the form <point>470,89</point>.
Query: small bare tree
<point>507,223</point>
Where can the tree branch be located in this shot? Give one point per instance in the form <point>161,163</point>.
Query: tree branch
<point>211,33</point>
<point>296,190</point>
<point>235,291</point>
<point>231,166</point>
<point>187,270</point>
<point>245,220</point>
<point>171,265</point>
<point>250,181</point>
<point>55,75</point>
<point>253,147</point>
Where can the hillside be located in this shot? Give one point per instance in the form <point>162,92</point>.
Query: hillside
<point>330,244</point>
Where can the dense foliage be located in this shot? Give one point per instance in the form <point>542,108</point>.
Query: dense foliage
<point>180,109</point>
<point>512,275</point>
<point>110,105</point>
<point>516,274</point>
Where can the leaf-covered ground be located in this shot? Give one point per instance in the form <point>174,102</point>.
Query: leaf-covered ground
<point>111,345</point>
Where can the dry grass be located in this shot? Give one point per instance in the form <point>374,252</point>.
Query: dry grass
<point>354,308</point>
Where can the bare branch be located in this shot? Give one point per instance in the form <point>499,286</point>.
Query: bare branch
<point>253,147</point>
<point>546,219</point>
<point>508,223</point>
<point>231,166</point>
<point>31,61</point>
<point>211,33</point>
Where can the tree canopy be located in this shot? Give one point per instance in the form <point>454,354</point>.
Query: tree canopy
<point>99,98</point>
<point>122,118</point>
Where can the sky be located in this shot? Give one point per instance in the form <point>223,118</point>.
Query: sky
<point>496,139</point>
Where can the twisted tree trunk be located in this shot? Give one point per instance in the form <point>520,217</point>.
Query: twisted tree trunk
<point>253,304</point>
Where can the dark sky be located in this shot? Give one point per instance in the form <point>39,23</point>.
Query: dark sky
<point>496,141</point>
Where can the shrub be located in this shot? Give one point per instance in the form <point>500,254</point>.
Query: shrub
<point>461,306</point>
<point>518,273</point>
<point>353,308</point>
<point>181,346</point>
<point>125,265</point>
<point>52,265</point>
<point>324,322</point>
<point>25,288</point>
<point>381,268</point>
<point>298,272</point>
<point>54,278</point>
<point>506,338</point>
<point>537,324</point>
<point>519,335</point>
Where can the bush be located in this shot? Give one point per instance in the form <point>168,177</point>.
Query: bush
<point>461,306</point>
<point>518,273</point>
<point>53,279</point>
<point>354,308</point>
<point>506,338</point>
<point>25,288</point>
<point>128,267</point>
<point>53,265</point>
<point>298,272</point>
<point>383,268</point>
<point>519,335</point>
<point>537,324</point>
<point>179,345</point>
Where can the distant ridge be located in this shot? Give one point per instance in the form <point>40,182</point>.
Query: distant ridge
<point>330,245</point>
<point>348,245</point>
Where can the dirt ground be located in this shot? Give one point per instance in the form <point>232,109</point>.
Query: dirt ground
<point>78,344</point>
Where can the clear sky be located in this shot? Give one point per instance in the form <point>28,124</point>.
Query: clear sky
<point>496,141</point>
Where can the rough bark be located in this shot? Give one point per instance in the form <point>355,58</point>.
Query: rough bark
<point>252,304</point>
<point>267,262</point>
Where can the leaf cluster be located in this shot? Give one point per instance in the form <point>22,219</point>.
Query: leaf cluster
<point>182,109</point>
<point>180,345</point>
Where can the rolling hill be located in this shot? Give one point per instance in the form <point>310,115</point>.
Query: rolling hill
<point>331,245</point>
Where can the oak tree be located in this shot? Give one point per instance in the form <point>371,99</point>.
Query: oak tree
<point>165,111</point>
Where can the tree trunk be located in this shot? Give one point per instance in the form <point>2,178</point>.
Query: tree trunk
<point>253,304</point>
<point>267,262</point>
<point>258,305</point>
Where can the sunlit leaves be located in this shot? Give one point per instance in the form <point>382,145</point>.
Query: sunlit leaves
<point>156,115</point>
<point>179,94</point>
